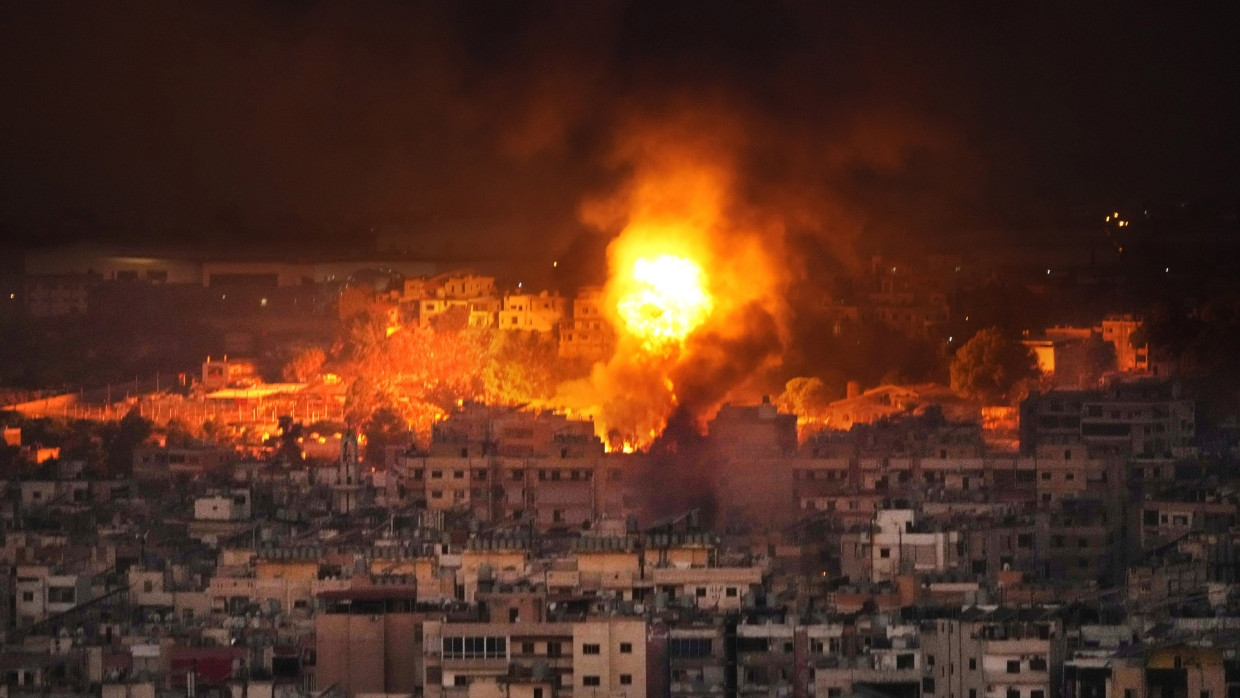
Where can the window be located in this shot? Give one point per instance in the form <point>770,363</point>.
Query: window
<point>553,649</point>
<point>475,647</point>
<point>590,681</point>
<point>972,664</point>
<point>27,596</point>
<point>904,661</point>
<point>460,680</point>
<point>1037,693</point>
<point>884,553</point>
<point>626,679</point>
<point>527,648</point>
<point>700,592</point>
<point>1013,693</point>
<point>1037,664</point>
<point>689,647</point>
<point>927,685</point>
<point>538,693</point>
<point>590,648</point>
<point>730,592</point>
<point>1013,666</point>
<point>626,648</point>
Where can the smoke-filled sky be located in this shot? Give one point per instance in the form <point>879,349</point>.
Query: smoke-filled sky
<point>489,125</point>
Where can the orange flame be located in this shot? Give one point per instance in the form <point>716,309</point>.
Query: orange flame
<point>662,299</point>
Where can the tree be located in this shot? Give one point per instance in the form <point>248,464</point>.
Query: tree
<point>386,427</point>
<point>990,365</point>
<point>306,365</point>
<point>122,437</point>
<point>807,398</point>
<point>1082,364</point>
<point>520,367</point>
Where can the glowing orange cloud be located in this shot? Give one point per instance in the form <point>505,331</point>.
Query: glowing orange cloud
<point>662,299</point>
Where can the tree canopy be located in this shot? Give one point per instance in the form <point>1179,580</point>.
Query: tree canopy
<point>990,365</point>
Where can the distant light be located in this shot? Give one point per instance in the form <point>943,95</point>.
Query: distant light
<point>950,338</point>
<point>263,302</point>
<point>518,284</point>
<point>893,270</point>
<point>1108,219</point>
<point>1048,272</point>
<point>12,296</point>
<point>966,318</point>
<point>555,264</point>
<point>957,268</point>
<point>1116,214</point>
<point>224,297</point>
<point>1167,270</point>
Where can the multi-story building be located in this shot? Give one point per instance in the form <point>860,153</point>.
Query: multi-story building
<point>591,657</point>
<point>368,640</point>
<point>1141,418</point>
<point>588,334</point>
<point>1118,330</point>
<point>997,654</point>
<point>539,312</point>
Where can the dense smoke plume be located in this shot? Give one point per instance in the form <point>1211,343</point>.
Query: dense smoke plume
<point>680,199</point>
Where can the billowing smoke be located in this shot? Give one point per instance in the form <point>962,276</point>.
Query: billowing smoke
<point>680,200</point>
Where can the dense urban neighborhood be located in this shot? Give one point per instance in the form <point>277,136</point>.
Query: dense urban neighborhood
<point>619,349</point>
<point>1069,532</point>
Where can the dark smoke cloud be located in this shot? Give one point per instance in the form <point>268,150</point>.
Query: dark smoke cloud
<point>716,362</point>
<point>487,122</point>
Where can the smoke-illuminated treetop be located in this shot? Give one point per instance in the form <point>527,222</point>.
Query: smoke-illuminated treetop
<point>664,299</point>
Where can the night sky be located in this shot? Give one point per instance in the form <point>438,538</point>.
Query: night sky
<point>491,122</point>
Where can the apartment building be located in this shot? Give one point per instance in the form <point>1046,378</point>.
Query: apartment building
<point>1139,418</point>
<point>368,640</point>
<point>594,657</point>
<point>541,312</point>
<point>588,334</point>
<point>993,654</point>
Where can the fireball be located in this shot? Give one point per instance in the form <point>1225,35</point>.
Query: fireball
<point>663,299</point>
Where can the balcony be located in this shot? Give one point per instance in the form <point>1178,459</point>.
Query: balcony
<point>497,665</point>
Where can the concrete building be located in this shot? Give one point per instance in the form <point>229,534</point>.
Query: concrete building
<point>1141,418</point>
<point>999,654</point>
<point>368,640</point>
<point>596,657</point>
<point>1118,330</point>
<point>540,312</point>
<point>588,334</point>
<point>230,506</point>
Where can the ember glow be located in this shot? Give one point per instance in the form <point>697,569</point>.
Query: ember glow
<point>662,300</point>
